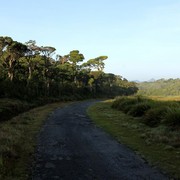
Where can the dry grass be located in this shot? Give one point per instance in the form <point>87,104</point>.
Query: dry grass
<point>165,98</point>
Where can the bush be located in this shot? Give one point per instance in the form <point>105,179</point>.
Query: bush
<point>117,101</point>
<point>155,113</point>
<point>12,107</point>
<point>154,116</point>
<point>172,117</point>
<point>139,109</point>
<point>125,103</point>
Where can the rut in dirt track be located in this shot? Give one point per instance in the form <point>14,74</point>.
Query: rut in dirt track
<point>70,146</point>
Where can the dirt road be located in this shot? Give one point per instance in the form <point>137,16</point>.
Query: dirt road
<point>71,147</point>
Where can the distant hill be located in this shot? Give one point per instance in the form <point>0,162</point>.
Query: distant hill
<point>152,80</point>
<point>138,81</point>
<point>161,87</point>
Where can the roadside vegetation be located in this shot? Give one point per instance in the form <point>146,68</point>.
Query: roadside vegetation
<point>10,108</point>
<point>150,127</point>
<point>151,112</point>
<point>18,141</point>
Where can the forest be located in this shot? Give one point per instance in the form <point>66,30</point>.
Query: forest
<point>29,72</point>
<point>161,87</point>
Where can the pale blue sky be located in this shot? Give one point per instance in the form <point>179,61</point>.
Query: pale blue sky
<point>140,37</point>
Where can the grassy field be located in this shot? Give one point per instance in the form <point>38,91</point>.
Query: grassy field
<point>18,140</point>
<point>165,98</point>
<point>149,142</point>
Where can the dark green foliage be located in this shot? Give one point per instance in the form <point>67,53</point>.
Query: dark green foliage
<point>31,74</point>
<point>153,113</point>
<point>172,117</point>
<point>12,107</point>
<point>126,104</point>
<point>121,102</point>
<point>139,109</point>
<point>154,116</point>
<point>28,72</point>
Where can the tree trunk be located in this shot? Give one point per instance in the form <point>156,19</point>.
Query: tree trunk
<point>10,70</point>
<point>10,75</point>
<point>30,73</point>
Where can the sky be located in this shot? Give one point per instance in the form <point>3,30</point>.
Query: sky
<point>141,38</point>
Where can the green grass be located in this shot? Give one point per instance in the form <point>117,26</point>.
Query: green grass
<point>149,142</point>
<point>18,140</point>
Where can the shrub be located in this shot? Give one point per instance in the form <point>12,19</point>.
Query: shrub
<point>172,116</point>
<point>154,116</point>
<point>117,101</point>
<point>12,107</point>
<point>139,109</point>
<point>125,103</point>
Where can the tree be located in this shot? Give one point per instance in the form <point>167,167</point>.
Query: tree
<point>4,43</point>
<point>30,59</point>
<point>75,58</point>
<point>29,71</point>
<point>11,51</point>
<point>63,68</point>
<point>48,52</point>
<point>96,63</point>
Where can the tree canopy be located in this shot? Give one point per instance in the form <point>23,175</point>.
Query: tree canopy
<point>29,71</point>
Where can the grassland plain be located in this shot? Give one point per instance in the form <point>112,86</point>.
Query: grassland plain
<point>138,136</point>
<point>18,140</point>
<point>165,98</point>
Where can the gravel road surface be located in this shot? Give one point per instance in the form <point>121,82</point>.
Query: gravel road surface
<point>71,147</point>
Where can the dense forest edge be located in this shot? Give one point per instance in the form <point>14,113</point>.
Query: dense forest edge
<point>36,75</point>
